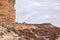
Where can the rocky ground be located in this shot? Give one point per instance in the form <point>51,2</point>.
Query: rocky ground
<point>39,32</point>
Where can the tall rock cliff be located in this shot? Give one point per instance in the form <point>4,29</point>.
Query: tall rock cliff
<point>7,11</point>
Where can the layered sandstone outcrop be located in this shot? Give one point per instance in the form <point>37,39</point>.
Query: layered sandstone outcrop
<point>7,11</point>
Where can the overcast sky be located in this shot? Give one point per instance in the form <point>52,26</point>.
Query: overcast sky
<point>38,11</point>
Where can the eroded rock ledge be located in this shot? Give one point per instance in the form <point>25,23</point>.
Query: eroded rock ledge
<point>29,32</point>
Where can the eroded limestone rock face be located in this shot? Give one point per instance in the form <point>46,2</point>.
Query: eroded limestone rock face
<point>7,11</point>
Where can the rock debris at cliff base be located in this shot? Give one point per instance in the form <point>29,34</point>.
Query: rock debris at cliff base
<point>44,32</point>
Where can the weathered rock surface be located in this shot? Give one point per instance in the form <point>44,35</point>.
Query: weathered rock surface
<point>7,11</point>
<point>24,32</point>
<point>10,30</point>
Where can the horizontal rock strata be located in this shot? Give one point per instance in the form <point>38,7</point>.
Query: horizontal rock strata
<point>7,11</point>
